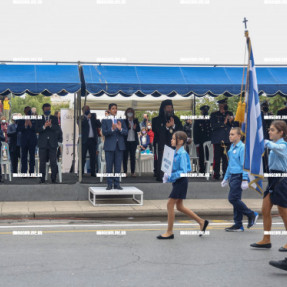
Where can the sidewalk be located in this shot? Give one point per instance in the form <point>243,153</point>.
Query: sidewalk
<point>84,209</point>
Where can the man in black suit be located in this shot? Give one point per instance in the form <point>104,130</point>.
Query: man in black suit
<point>50,134</point>
<point>90,126</point>
<point>28,141</point>
<point>164,127</point>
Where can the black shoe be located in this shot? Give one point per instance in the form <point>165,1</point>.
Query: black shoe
<point>282,249</point>
<point>118,187</point>
<point>261,246</point>
<point>167,237</point>
<point>206,222</point>
<point>109,187</point>
<point>234,228</point>
<point>42,180</point>
<point>93,175</point>
<point>158,179</point>
<point>252,220</point>
<point>281,264</point>
<point>54,181</point>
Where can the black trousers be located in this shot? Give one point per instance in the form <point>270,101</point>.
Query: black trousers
<point>159,174</point>
<point>14,155</point>
<point>218,155</point>
<point>50,153</point>
<point>131,148</point>
<point>90,146</point>
<point>24,154</point>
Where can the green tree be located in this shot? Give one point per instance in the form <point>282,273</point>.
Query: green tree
<point>19,103</point>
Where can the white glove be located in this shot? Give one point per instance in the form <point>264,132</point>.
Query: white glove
<point>224,183</point>
<point>244,184</point>
<point>165,178</point>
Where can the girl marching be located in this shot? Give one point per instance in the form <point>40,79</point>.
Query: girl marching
<point>276,192</point>
<point>181,165</point>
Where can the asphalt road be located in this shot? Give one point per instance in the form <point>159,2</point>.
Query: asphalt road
<point>88,253</point>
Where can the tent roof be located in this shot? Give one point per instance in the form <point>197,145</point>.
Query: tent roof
<point>36,79</point>
<point>183,80</point>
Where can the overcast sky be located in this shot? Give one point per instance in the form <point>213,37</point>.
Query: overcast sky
<point>143,31</point>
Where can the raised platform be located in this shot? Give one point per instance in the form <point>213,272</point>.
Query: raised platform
<point>126,196</point>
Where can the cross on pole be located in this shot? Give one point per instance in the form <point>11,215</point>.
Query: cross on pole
<point>245,22</point>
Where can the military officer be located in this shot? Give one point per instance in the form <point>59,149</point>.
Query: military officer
<point>221,123</point>
<point>201,134</point>
<point>283,112</point>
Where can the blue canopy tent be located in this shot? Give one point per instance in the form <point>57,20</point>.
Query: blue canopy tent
<point>183,80</point>
<point>39,79</point>
<point>42,79</point>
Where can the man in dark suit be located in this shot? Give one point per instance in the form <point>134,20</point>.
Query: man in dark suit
<point>50,134</point>
<point>14,143</point>
<point>221,123</point>
<point>28,141</point>
<point>90,126</point>
<point>164,127</point>
<point>114,130</point>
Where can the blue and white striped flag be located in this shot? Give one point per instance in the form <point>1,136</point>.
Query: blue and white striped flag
<point>252,128</point>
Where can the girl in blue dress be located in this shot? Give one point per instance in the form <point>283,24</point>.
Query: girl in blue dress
<point>181,165</point>
<point>276,192</point>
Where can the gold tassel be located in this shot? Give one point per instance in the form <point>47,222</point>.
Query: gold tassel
<point>239,117</point>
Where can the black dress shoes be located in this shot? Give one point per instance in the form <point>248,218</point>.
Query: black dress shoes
<point>118,187</point>
<point>42,180</point>
<point>206,222</point>
<point>281,264</point>
<point>109,187</point>
<point>166,237</point>
<point>282,249</point>
<point>261,246</point>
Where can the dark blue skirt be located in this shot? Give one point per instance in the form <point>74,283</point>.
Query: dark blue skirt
<point>277,188</point>
<point>179,188</point>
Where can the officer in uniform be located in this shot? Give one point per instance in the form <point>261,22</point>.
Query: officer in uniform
<point>283,112</point>
<point>201,134</point>
<point>221,123</point>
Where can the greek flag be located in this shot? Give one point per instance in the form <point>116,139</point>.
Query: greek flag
<point>252,128</point>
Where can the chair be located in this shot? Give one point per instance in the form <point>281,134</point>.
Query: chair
<point>102,160</point>
<point>193,156</point>
<point>5,160</point>
<point>59,164</point>
<point>208,161</point>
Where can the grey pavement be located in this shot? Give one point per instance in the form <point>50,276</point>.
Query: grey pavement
<point>78,255</point>
<point>84,209</point>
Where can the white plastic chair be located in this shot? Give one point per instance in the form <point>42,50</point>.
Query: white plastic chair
<point>59,164</point>
<point>208,161</point>
<point>193,156</point>
<point>5,160</point>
